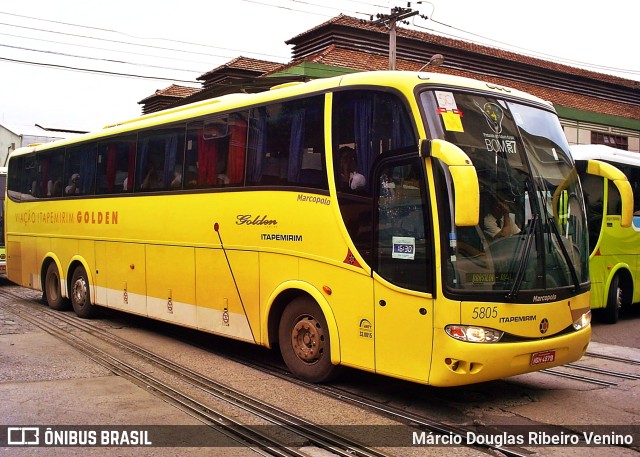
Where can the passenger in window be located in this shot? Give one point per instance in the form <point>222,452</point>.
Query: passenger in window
<point>176,182</point>
<point>498,222</point>
<point>192,179</point>
<point>350,179</point>
<point>73,187</point>
<point>152,179</point>
<point>54,188</point>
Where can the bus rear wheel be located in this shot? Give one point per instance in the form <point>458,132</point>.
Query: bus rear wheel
<point>52,289</point>
<point>614,301</point>
<point>304,341</point>
<point>80,298</point>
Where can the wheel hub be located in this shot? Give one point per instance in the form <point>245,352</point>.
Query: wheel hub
<point>79,291</point>
<point>307,339</point>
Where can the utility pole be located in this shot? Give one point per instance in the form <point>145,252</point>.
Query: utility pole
<point>397,14</point>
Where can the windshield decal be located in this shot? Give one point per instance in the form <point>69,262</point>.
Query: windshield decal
<point>497,141</point>
<point>493,114</point>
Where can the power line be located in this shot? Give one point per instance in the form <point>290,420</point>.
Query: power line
<point>126,42</point>
<point>105,49</point>
<point>530,51</point>
<point>102,72</point>
<point>100,59</point>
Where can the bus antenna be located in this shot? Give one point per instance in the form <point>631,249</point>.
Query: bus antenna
<point>216,227</point>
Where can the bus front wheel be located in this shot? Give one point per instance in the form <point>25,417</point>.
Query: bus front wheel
<point>80,298</point>
<point>304,341</point>
<point>614,301</point>
<point>52,290</point>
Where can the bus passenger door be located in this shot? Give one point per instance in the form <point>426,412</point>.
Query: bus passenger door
<point>403,278</point>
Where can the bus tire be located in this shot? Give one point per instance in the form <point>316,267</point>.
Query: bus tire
<point>80,297</point>
<point>614,301</point>
<point>52,291</point>
<point>304,341</point>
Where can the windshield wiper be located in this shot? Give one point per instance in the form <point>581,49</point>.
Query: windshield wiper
<point>530,231</point>
<point>565,254</point>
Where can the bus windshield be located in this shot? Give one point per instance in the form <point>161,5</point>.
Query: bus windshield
<point>531,237</point>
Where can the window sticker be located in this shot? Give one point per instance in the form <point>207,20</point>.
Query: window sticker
<point>493,114</point>
<point>448,109</point>
<point>446,100</point>
<point>452,121</point>
<point>404,247</point>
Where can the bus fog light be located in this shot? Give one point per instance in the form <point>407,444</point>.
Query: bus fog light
<point>583,321</point>
<point>474,334</point>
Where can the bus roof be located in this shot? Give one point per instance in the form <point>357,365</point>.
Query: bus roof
<point>606,153</point>
<point>401,79</point>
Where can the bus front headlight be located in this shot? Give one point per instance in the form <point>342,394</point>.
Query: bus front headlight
<point>473,334</point>
<point>583,321</point>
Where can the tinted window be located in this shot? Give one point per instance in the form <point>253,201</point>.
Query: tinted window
<point>160,157</point>
<point>286,144</point>
<point>215,151</point>
<point>80,169</point>
<point>116,161</point>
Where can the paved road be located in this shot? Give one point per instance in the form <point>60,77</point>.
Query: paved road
<point>625,333</point>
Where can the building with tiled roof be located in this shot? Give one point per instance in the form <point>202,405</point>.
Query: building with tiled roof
<point>165,98</point>
<point>593,107</point>
<point>237,69</point>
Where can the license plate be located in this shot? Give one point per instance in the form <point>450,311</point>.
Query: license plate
<point>543,357</point>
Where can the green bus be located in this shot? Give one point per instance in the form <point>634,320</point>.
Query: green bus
<point>614,234</point>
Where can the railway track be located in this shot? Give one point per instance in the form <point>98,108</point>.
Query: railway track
<point>573,370</point>
<point>305,431</point>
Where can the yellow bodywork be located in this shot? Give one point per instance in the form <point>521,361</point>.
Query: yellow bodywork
<point>160,256</point>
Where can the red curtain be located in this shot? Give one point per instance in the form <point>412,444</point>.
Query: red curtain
<point>237,146</point>
<point>207,157</point>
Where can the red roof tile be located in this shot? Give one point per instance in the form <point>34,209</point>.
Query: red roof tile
<point>351,22</point>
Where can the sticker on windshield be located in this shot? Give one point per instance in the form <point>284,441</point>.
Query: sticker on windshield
<point>404,247</point>
<point>446,100</point>
<point>448,109</point>
<point>494,115</point>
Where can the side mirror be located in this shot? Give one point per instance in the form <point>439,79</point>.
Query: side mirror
<point>465,179</point>
<point>619,179</point>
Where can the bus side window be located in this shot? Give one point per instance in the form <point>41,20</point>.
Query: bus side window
<point>286,144</point>
<point>116,159</point>
<point>80,169</point>
<point>206,141</point>
<point>633,175</point>
<point>55,183</point>
<point>370,123</point>
<point>159,159</point>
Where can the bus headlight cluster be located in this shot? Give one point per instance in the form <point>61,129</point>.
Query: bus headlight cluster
<point>582,321</point>
<point>474,334</point>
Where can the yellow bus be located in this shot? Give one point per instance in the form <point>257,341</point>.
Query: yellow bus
<point>614,236</point>
<point>3,189</point>
<point>347,221</point>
